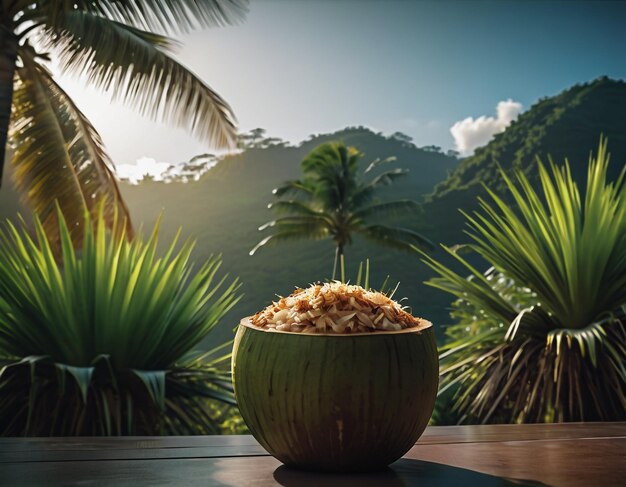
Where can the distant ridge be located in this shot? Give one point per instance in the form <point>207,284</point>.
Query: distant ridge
<point>566,125</point>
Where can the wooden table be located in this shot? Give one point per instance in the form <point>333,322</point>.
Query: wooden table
<point>588,454</point>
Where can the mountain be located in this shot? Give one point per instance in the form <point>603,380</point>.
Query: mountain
<point>568,125</point>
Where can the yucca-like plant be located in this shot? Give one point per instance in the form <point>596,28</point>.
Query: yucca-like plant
<point>541,336</point>
<point>98,342</point>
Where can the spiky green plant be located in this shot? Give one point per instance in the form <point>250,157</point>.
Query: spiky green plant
<point>541,337</point>
<point>336,200</point>
<point>363,278</point>
<point>97,342</point>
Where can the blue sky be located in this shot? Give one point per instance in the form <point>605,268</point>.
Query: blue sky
<point>302,67</point>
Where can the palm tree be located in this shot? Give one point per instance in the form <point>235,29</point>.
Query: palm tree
<point>56,153</point>
<point>334,201</point>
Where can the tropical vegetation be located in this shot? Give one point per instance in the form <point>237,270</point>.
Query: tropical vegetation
<point>57,153</point>
<point>541,336</point>
<point>100,341</point>
<point>334,200</point>
<point>224,208</point>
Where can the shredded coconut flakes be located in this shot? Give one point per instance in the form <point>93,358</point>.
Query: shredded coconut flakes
<point>335,307</point>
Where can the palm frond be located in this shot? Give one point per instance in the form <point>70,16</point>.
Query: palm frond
<point>293,233</point>
<point>292,207</point>
<point>331,168</point>
<point>388,177</point>
<point>377,162</point>
<point>163,15</point>
<point>135,66</point>
<point>178,15</point>
<point>400,238</point>
<point>478,289</point>
<point>7,76</point>
<point>330,161</point>
<point>390,208</point>
<point>362,196</point>
<point>302,189</point>
<point>308,220</point>
<point>59,156</point>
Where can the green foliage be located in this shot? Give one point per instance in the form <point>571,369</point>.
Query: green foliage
<point>98,342</point>
<point>58,156</point>
<point>333,200</point>
<point>363,278</point>
<point>227,417</point>
<point>226,205</point>
<point>41,149</point>
<point>542,335</point>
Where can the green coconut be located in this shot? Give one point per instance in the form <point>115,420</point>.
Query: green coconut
<point>336,402</point>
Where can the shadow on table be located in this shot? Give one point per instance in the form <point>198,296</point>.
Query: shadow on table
<point>404,472</point>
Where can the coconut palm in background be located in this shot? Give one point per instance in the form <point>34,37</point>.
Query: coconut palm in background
<point>541,337</point>
<point>57,154</point>
<point>333,200</point>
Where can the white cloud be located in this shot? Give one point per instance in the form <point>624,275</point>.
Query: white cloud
<point>144,166</point>
<point>471,133</point>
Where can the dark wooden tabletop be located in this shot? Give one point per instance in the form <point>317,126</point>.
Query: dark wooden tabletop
<point>586,454</point>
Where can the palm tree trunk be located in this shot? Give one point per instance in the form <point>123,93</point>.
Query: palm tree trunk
<point>338,255</point>
<point>8,55</point>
